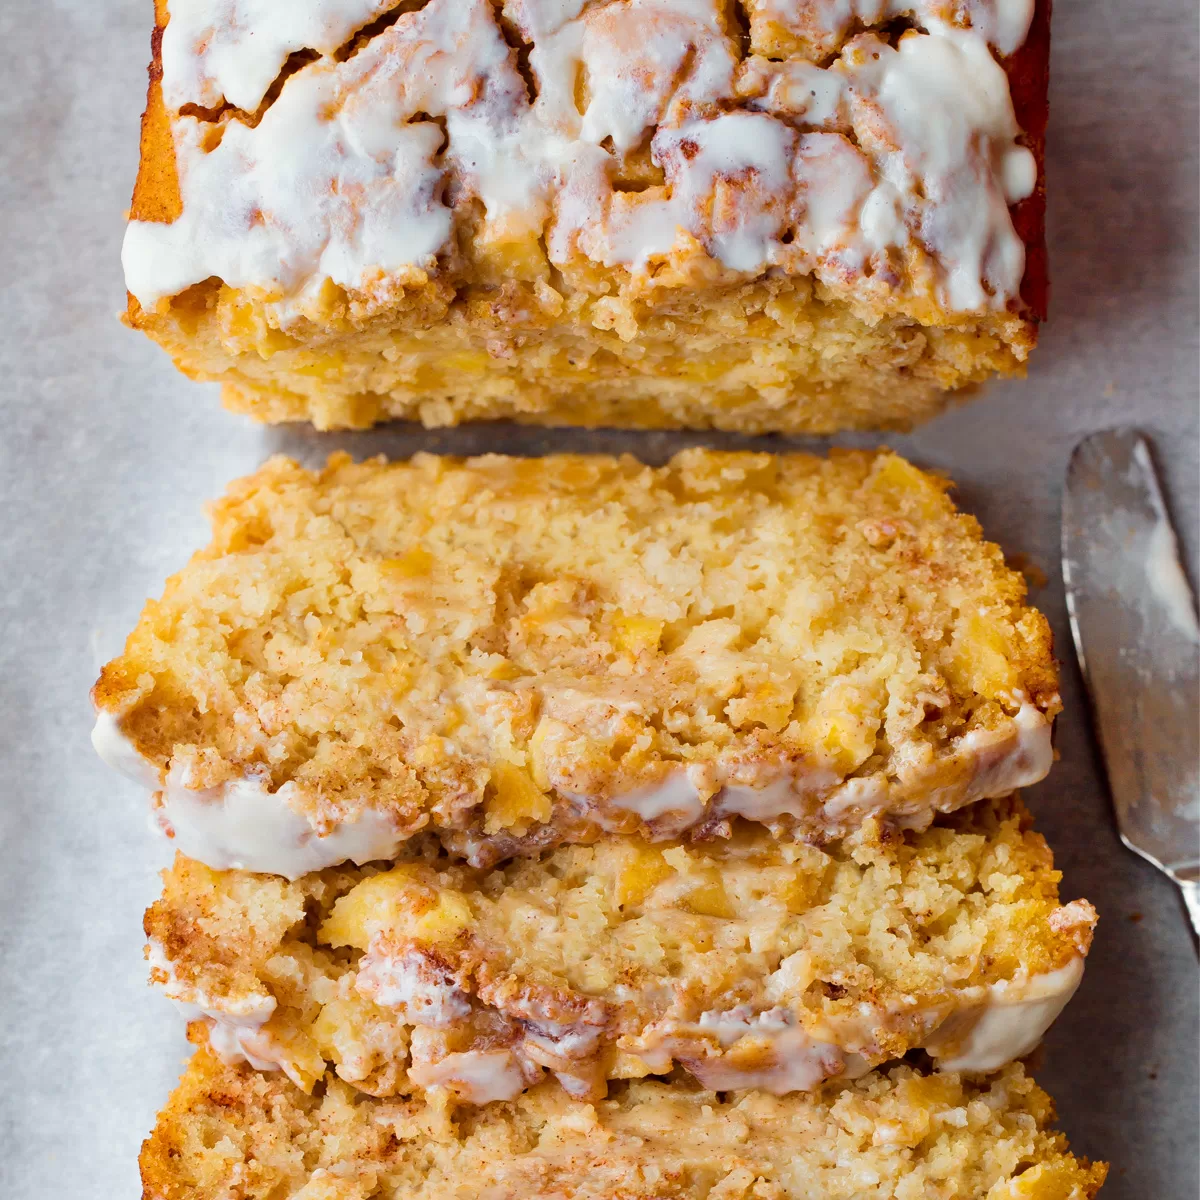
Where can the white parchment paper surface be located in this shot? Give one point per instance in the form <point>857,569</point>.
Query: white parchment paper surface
<point>106,455</point>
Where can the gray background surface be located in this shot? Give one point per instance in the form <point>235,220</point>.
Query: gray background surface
<point>106,456</point>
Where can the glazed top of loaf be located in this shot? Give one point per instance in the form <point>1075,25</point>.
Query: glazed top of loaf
<point>371,145</point>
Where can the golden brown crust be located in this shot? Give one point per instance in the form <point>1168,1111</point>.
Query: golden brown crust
<point>156,194</point>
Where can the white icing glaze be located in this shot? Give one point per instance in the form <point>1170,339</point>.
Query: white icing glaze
<point>118,752</point>
<point>286,220</point>
<point>674,802</point>
<point>420,988</point>
<point>1003,23</point>
<point>1018,172</point>
<point>242,825</point>
<point>940,169</point>
<point>340,181</point>
<point>646,62</point>
<point>536,18</point>
<point>797,1063</point>
<point>979,1029</point>
<point>1018,754</point>
<point>950,139</point>
<point>730,182</point>
<point>1007,1021</point>
<point>998,761</point>
<point>538,1013</point>
<point>236,1030</point>
<point>214,50</point>
<point>986,1028</point>
<point>560,1041</point>
<point>788,794</point>
<point>729,186</point>
<point>475,1076</point>
<point>234,1044</point>
<point>337,181</point>
<point>834,183</point>
<point>984,763</point>
<point>249,1011</point>
<point>858,797</point>
<point>795,88</point>
<point>734,1024</point>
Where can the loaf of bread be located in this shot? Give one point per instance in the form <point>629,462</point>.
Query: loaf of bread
<point>749,962</point>
<point>517,653</point>
<point>791,215</point>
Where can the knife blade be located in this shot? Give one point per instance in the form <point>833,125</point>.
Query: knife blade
<point>1133,621</point>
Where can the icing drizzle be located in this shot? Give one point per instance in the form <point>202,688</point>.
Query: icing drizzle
<point>891,169</point>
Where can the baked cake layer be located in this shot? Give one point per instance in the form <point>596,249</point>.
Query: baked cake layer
<point>795,215</point>
<point>892,1135</point>
<point>749,962</point>
<point>513,653</point>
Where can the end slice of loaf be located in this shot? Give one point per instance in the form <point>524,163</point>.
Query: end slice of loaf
<point>892,1135</point>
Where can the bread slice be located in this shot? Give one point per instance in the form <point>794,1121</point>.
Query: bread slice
<point>513,653</point>
<point>892,1135</point>
<point>594,213</point>
<point>749,962</point>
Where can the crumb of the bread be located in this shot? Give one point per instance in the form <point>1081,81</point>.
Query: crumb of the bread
<point>518,651</point>
<point>772,356</point>
<point>892,1135</point>
<point>780,960</point>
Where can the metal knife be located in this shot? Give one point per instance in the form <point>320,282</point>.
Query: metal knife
<point>1133,619</point>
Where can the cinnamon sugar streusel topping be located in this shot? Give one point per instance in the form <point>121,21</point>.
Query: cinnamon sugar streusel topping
<point>638,137</point>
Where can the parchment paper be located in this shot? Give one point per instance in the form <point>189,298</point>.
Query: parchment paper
<point>106,456</point>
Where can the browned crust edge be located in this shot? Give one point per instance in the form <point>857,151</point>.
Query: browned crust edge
<point>1028,73</point>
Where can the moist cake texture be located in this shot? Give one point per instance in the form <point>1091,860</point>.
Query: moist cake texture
<point>796,215</point>
<point>749,962</point>
<point>514,653</point>
<point>893,1135</point>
